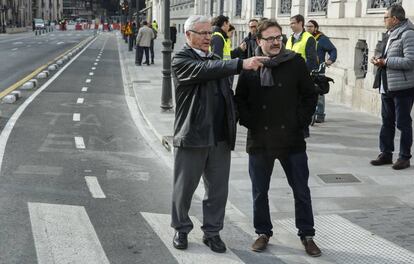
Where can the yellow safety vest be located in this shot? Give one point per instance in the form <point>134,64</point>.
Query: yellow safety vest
<point>155,26</point>
<point>300,45</point>
<point>226,47</point>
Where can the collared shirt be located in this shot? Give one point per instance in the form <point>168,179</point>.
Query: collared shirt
<point>382,90</point>
<point>297,35</point>
<point>201,53</point>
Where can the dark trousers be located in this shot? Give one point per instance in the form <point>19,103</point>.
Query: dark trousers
<point>130,42</point>
<point>151,48</point>
<point>297,173</point>
<point>396,111</point>
<point>140,53</point>
<point>213,163</point>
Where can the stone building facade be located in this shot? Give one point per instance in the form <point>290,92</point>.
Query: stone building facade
<point>354,26</point>
<point>19,13</point>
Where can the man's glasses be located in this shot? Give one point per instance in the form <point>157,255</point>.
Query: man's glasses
<point>202,33</point>
<point>273,38</point>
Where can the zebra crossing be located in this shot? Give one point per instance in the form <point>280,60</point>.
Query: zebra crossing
<point>65,234</point>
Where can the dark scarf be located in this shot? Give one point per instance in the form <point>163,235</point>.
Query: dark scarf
<point>266,77</point>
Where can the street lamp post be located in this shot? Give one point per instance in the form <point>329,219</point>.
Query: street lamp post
<point>166,96</point>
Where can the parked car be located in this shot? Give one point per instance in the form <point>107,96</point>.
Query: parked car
<point>39,23</point>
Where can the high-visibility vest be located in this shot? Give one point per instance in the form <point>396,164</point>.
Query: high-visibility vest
<point>300,45</point>
<point>155,26</point>
<point>226,46</point>
<point>128,30</point>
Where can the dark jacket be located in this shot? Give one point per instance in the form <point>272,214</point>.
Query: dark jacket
<point>173,34</point>
<point>199,82</point>
<point>324,45</point>
<point>251,44</point>
<point>276,116</point>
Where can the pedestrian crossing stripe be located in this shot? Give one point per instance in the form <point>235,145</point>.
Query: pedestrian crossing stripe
<point>64,234</point>
<point>197,252</point>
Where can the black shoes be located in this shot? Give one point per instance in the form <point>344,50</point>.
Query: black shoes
<point>180,240</point>
<point>215,243</point>
<point>401,164</point>
<point>382,159</point>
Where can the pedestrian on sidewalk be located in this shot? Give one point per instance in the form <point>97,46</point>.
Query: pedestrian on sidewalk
<point>129,34</point>
<point>152,44</point>
<point>324,48</point>
<point>144,37</point>
<point>204,131</point>
<point>304,43</point>
<point>275,105</point>
<point>249,43</point>
<point>173,35</point>
<point>395,81</point>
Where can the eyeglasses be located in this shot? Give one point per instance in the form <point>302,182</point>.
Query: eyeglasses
<point>202,33</point>
<point>252,26</point>
<point>273,38</point>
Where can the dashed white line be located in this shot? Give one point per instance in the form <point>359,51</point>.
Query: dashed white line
<point>79,143</point>
<point>59,43</point>
<point>93,68</point>
<point>91,73</point>
<point>97,60</point>
<point>84,89</point>
<point>15,49</point>
<point>88,80</point>
<point>95,63</point>
<point>76,117</point>
<point>94,187</point>
<point>80,100</point>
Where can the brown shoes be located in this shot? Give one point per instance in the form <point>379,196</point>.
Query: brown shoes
<point>310,247</point>
<point>261,243</point>
<point>401,164</point>
<point>382,159</point>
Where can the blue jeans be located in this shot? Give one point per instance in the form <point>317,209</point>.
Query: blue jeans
<point>297,173</point>
<point>396,111</point>
<point>320,108</point>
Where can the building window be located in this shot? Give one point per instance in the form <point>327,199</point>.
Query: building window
<point>259,7</point>
<point>238,8</point>
<point>221,7</point>
<point>318,6</point>
<point>361,59</point>
<point>285,7</point>
<point>383,3</point>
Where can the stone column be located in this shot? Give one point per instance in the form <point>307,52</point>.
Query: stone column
<point>353,8</point>
<point>269,9</point>
<point>197,7</point>
<point>298,7</point>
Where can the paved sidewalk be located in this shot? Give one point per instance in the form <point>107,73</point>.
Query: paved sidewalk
<point>363,214</point>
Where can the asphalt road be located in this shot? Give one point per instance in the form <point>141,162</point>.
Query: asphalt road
<point>20,54</point>
<point>59,143</point>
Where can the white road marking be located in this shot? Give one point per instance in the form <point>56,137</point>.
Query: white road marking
<point>91,73</point>
<point>76,117</point>
<point>28,46</point>
<point>95,63</point>
<point>14,49</point>
<point>97,60</point>
<point>80,144</point>
<point>5,133</point>
<point>197,252</point>
<point>38,170</point>
<point>17,43</point>
<point>64,234</point>
<point>94,187</point>
<point>59,43</point>
<point>80,100</point>
<point>84,89</point>
<point>93,68</point>
<point>88,80</point>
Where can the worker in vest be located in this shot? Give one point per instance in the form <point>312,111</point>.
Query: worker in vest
<point>155,25</point>
<point>129,35</point>
<point>302,42</point>
<point>219,37</point>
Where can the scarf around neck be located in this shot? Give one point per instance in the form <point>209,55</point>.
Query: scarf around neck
<point>266,77</point>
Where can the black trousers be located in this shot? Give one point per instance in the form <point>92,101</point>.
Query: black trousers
<point>140,53</point>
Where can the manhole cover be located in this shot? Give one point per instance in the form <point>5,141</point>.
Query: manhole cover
<point>338,178</point>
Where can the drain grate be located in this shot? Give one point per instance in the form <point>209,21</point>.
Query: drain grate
<point>338,178</point>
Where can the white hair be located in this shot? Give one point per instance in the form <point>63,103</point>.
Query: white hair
<point>193,20</point>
